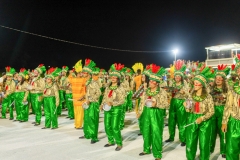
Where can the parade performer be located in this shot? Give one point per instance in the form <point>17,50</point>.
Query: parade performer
<point>62,92</point>
<point>9,89</point>
<point>69,97</point>
<point>21,95</point>
<point>51,99</point>
<point>153,104</point>
<point>231,118</point>
<point>177,112</point>
<point>113,101</point>
<point>138,69</point>
<point>36,88</point>
<point>233,79</point>
<point>219,95</point>
<point>200,107</point>
<point>78,92</point>
<point>129,104</point>
<point>136,96</point>
<point>91,114</point>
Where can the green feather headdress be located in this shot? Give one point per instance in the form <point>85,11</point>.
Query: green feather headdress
<point>204,75</point>
<point>180,68</point>
<point>89,66</point>
<point>156,73</point>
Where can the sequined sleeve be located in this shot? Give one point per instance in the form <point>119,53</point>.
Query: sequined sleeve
<point>40,85</point>
<point>25,84</point>
<point>209,110</point>
<point>56,93</point>
<point>12,88</point>
<point>105,96</point>
<point>119,97</point>
<point>228,107</point>
<point>93,92</point>
<point>142,103</point>
<point>162,100</point>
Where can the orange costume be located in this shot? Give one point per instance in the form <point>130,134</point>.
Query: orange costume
<point>78,91</point>
<point>138,81</point>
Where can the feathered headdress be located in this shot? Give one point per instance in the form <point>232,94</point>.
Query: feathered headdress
<point>78,66</point>
<point>156,73</point>
<point>53,72</point>
<point>147,70</point>
<point>116,69</point>
<point>222,70</point>
<point>233,71</point>
<point>204,75</point>
<point>212,77</point>
<point>180,68</point>
<point>95,70</point>
<point>89,66</point>
<point>23,72</point>
<point>65,69</point>
<point>129,72</point>
<point>41,68</point>
<point>10,71</point>
<point>137,66</point>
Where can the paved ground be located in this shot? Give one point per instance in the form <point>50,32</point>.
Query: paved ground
<point>23,141</point>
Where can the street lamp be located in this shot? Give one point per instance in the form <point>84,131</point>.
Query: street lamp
<point>175,51</point>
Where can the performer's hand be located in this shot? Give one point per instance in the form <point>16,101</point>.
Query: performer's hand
<point>88,102</point>
<point>224,127</point>
<point>109,103</point>
<point>199,120</point>
<point>138,115</point>
<point>185,104</point>
<point>154,103</point>
<point>101,107</point>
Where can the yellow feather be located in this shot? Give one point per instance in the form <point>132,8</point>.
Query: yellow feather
<point>137,66</point>
<point>78,66</point>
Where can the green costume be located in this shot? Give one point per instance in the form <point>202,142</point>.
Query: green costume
<point>201,107</point>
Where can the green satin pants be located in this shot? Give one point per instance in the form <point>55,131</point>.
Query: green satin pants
<point>123,114</point>
<point>69,104</point>
<point>6,104</point>
<point>51,119</point>
<point>91,121</point>
<point>129,105</point>
<point>30,102</point>
<point>101,96</point>
<point>177,116</point>
<point>37,102</point>
<point>61,101</point>
<point>195,132</point>
<point>112,124</point>
<point>140,118</point>
<point>21,109</point>
<point>152,123</point>
<point>233,139</point>
<point>216,129</point>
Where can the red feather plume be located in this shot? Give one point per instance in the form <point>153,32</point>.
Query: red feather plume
<point>193,70</point>
<point>155,68</point>
<point>222,67</point>
<point>51,70</point>
<point>179,64</point>
<point>233,66</point>
<point>8,68</point>
<point>22,69</point>
<point>203,66</point>
<point>40,65</point>
<point>87,61</point>
<point>238,56</point>
<point>64,67</point>
<point>118,66</point>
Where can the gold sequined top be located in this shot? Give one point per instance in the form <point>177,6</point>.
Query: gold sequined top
<point>232,107</point>
<point>38,85</point>
<point>9,87</point>
<point>116,98</point>
<point>181,88</point>
<point>22,88</point>
<point>125,85</point>
<point>206,107</point>
<point>63,83</point>
<point>163,84</point>
<point>93,92</point>
<point>68,87</point>
<point>51,90</point>
<point>219,97</point>
<point>160,98</point>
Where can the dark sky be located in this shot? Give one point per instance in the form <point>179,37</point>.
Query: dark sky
<point>163,26</point>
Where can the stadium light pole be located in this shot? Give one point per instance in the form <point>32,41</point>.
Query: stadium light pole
<point>175,51</point>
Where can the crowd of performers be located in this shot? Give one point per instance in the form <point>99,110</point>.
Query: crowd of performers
<point>202,104</point>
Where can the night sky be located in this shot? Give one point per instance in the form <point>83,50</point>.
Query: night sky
<point>163,26</point>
